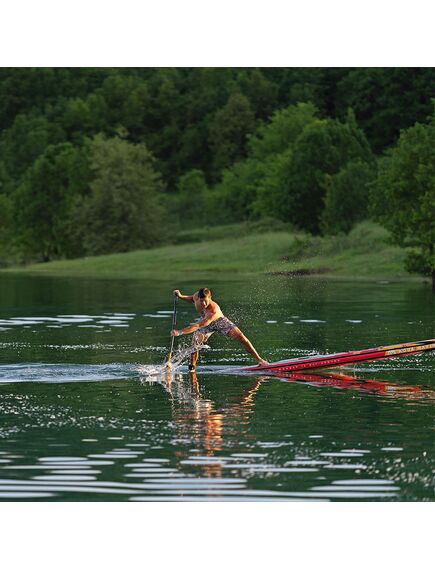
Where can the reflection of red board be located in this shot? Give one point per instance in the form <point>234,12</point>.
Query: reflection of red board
<point>344,358</point>
<point>348,382</point>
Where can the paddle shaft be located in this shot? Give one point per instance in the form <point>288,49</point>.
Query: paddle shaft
<point>174,322</point>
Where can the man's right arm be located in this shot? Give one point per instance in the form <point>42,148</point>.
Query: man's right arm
<point>183,296</point>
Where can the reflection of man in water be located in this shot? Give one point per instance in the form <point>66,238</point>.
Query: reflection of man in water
<point>212,320</point>
<point>197,419</point>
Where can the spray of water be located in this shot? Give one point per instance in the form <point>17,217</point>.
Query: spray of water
<point>179,357</point>
<point>184,352</point>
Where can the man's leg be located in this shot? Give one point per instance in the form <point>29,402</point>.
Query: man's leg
<point>193,359</point>
<point>198,339</point>
<point>237,334</point>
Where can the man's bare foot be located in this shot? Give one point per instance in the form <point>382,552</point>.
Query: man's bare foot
<point>263,363</point>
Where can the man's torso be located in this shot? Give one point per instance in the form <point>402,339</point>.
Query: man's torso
<point>212,311</point>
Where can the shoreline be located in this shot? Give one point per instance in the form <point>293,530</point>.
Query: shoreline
<point>363,255</point>
<point>222,275</point>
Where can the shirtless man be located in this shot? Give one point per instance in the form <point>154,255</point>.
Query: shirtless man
<point>212,320</point>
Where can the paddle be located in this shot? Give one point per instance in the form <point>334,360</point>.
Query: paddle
<point>174,322</point>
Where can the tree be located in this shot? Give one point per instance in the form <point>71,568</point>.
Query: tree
<point>307,84</point>
<point>261,93</point>
<point>270,180</point>
<point>323,148</point>
<point>232,198</point>
<point>205,90</point>
<point>84,117</point>
<point>5,179</point>
<point>346,197</point>
<point>251,187</point>
<point>403,196</point>
<point>43,200</point>
<point>122,210</point>
<point>281,131</point>
<point>25,140</point>
<point>205,120</point>
<point>6,222</point>
<point>192,197</point>
<point>229,130</point>
<point>36,89</point>
<point>386,100</point>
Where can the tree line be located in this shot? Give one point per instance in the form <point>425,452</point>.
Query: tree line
<point>105,160</point>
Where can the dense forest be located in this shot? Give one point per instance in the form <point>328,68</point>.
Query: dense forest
<point>98,160</point>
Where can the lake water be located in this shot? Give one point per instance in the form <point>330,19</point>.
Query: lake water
<point>82,419</point>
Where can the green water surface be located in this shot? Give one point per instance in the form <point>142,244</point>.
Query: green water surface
<point>81,419</point>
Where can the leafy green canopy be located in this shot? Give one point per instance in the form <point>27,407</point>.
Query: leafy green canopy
<point>96,199</point>
<point>403,196</point>
<point>44,198</point>
<point>251,186</point>
<point>322,149</point>
<point>191,199</point>
<point>176,112</point>
<point>346,197</point>
<point>289,163</point>
<point>247,143</point>
<point>6,216</point>
<point>385,100</point>
<point>122,211</point>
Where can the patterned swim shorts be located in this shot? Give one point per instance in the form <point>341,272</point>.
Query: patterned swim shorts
<point>223,325</point>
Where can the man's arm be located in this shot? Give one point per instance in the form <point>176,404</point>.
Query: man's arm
<point>193,327</point>
<point>178,294</point>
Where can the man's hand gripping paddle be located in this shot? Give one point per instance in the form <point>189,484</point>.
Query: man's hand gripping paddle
<point>174,322</point>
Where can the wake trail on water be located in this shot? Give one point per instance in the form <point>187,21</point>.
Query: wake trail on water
<point>66,373</point>
<point>62,373</point>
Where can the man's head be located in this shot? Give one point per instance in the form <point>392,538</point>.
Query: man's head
<point>204,296</point>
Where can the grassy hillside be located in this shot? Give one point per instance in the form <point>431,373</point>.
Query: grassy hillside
<point>364,253</point>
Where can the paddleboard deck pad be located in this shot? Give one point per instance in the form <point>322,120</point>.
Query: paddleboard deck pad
<point>343,358</point>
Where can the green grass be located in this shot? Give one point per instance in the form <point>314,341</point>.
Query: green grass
<point>248,254</point>
<point>363,254</point>
<point>216,232</point>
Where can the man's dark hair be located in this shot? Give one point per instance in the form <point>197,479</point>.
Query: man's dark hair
<point>203,292</point>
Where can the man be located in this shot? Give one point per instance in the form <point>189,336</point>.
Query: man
<point>212,320</point>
